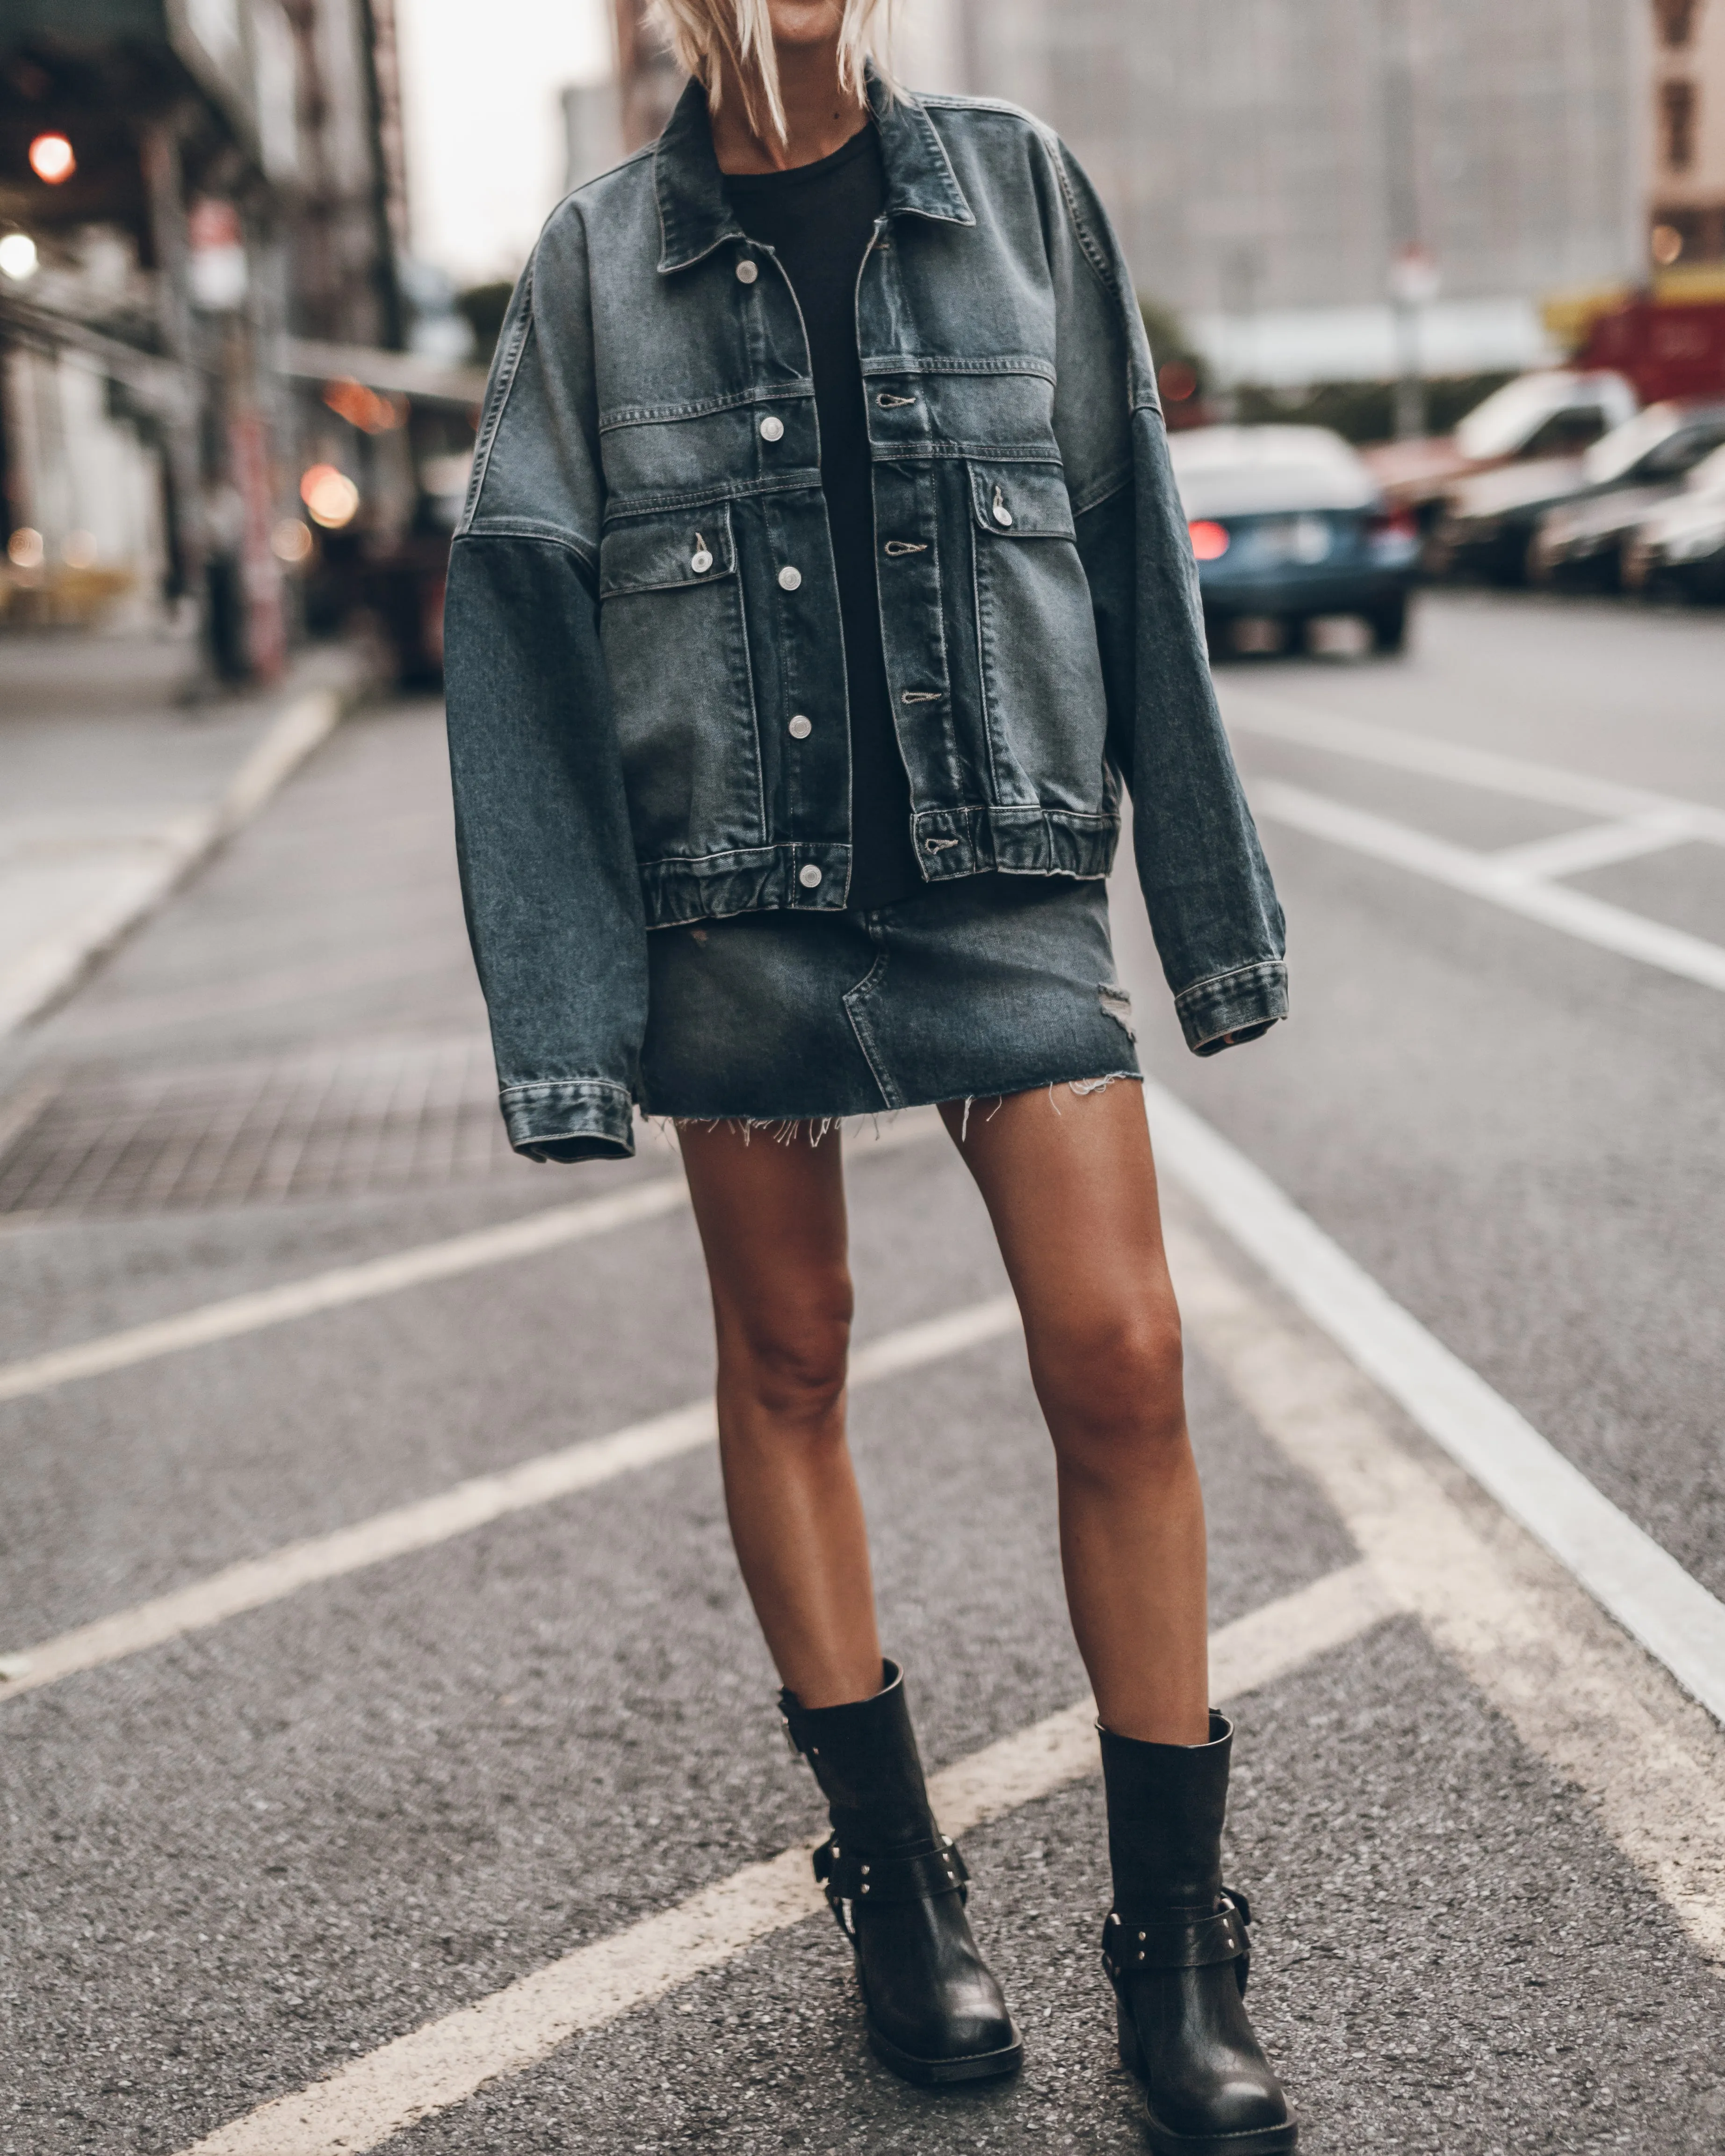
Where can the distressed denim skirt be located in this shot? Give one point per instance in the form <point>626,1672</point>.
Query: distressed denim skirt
<point>971,989</point>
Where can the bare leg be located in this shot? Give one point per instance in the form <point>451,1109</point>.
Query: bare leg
<point>773,1225</point>
<point>1070,1186</point>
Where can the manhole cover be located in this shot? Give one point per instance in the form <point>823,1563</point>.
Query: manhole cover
<point>357,1119</point>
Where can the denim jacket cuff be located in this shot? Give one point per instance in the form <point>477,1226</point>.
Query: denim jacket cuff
<point>1246,1002</point>
<point>582,1118</point>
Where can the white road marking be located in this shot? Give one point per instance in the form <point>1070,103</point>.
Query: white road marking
<point>444,2062</point>
<point>1642,1586</point>
<point>1595,846</point>
<point>1509,884</point>
<point>257,1581</point>
<point>1248,711</point>
<point>1576,1691</point>
<point>227,1320</point>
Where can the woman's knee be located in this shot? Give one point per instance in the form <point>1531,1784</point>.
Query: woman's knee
<point>1113,1387</point>
<point>792,1359</point>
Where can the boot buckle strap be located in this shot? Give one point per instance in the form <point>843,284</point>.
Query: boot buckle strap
<point>1177,1941</point>
<point>866,1880</point>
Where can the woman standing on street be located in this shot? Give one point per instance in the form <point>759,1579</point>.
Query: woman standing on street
<point>821,581</point>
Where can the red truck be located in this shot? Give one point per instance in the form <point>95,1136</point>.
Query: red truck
<point>1667,346</point>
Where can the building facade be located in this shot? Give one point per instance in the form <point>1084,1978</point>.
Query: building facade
<point>1269,162</point>
<point>1686,183</point>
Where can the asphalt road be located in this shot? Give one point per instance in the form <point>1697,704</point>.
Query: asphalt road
<point>238,1861</point>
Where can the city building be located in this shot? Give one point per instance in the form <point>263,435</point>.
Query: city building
<point>202,312</point>
<point>1279,167</point>
<point>1687,185</point>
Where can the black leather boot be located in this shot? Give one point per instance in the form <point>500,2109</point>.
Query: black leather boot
<point>1176,1952</point>
<point>895,1884</point>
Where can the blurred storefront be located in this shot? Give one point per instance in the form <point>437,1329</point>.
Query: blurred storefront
<point>202,282</point>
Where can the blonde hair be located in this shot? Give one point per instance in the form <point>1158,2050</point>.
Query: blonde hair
<point>704,33</point>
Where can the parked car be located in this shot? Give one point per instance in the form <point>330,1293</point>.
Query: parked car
<point>1557,411</point>
<point>1288,523</point>
<point>1679,546</point>
<point>1491,524</point>
<point>1584,544</point>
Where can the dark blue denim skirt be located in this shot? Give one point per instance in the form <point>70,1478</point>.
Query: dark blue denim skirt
<point>973,988</point>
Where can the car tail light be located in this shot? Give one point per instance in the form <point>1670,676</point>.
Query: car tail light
<point>1393,524</point>
<point>1210,541</point>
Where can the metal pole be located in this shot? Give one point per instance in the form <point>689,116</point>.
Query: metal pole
<point>1409,269</point>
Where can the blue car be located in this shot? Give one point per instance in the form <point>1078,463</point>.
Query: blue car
<point>1288,525</point>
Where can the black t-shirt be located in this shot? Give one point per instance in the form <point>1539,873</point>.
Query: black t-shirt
<point>819,220</point>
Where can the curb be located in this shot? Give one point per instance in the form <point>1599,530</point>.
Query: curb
<point>52,969</point>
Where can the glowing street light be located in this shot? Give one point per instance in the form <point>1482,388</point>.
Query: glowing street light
<point>18,257</point>
<point>291,542</point>
<point>329,496</point>
<point>51,159</point>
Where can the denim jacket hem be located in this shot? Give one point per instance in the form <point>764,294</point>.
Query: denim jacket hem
<point>591,1113</point>
<point>958,842</point>
<point>1248,999</point>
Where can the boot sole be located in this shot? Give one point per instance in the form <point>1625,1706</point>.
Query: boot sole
<point>1257,2141</point>
<point>934,2073</point>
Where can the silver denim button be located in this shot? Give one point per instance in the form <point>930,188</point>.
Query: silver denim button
<point>700,561</point>
<point>772,429</point>
<point>801,728</point>
<point>808,876</point>
<point>790,579</point>
<point>1002,515</point>
<point>747,271</point>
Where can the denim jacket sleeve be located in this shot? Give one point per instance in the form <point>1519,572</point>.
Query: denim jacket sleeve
<point>1213,907</point>
<point>547,865</point>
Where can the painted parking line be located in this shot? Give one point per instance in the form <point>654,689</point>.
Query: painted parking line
<point>1523,880</point>
<point>1250,711</point>
<point>1577,1692</point>
<point>257,1582</point>
<point>344,1286</point>
<point>1512,880</point>
<point>1639,1585</point>
<point>446,2060</point>
<point>1574,1690</point>
<point>1626,1572</point>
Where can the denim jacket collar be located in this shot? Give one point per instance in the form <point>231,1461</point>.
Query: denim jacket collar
<point>695,215</point>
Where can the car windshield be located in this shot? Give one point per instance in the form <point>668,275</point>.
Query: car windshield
<point>1612,456</point>
<point>1244,471</point>
<point>1509,415</point>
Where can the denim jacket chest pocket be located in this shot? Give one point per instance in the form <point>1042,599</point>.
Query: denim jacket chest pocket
<point>1036,645</point>
<point>676,640</point>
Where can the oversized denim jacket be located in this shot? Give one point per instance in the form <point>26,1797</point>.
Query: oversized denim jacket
<point>642,596</point>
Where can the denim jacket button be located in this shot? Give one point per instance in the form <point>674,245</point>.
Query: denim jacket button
<point>790,579</point>
<point>808,876</point>
<point>747,271</point>
<point>772,429</point>
<point>801,728</point>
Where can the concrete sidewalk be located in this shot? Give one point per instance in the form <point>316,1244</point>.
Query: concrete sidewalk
<point>113,787</point>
